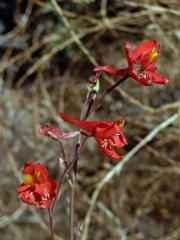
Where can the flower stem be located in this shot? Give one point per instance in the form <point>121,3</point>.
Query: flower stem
<point>121,80</point>
<point>72,203</point>
<point>79,147</point>
<point>66,171</point>
<point>51,222</point>
<point>85,104</point>
<point>93,97</point>
<point>78,151</point>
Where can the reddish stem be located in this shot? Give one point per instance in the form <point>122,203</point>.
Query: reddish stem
<point>78,151</point>
<point>66,171</point>
<point>51,222</point>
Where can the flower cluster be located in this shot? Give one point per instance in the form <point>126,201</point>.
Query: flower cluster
<point>37,189</point>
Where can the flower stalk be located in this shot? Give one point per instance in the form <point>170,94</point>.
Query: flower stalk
<point>72,205</point>
<point>51,222</point>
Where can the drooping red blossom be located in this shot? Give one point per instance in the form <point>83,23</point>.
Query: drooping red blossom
<point>56,133</point>
<point>108,134</point>
<point>141,64</point>
<point>37,189</point>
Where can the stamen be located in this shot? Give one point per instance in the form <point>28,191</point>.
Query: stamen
<point>153,54</point>
<point>104,143</point>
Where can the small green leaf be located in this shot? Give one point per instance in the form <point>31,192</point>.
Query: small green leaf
<point>96,88</point>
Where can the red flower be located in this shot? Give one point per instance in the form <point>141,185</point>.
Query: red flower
<point>141,64</point>
<point>55,133</point>
<point>37,189</point>
<point>108,134</point>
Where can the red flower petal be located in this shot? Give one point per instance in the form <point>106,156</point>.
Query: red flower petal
<point>119,140</point>
<point>109,152</point>
<point>23,187</point>
<point>53,187</point>
<point>150,77</point>
<point>28,198</point>
<point>37,171</point>
<point>108,130</point>
<point>111,70</point>
<point>49,188</point>
<point>145,48</point>
<point>114,154</point>
<point>127,47</point>
<point>143,78</point>
<point>87,126</point>
<point>45,204</point>
<point>29,167</point>
<point>159,79</point>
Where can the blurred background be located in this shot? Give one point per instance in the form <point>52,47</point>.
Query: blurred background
<point>44,70</point>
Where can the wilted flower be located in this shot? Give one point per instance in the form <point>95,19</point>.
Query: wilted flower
<point>108,134</point>
<point>37,189</point>
<point>56,133</point>
<point>141,64</point>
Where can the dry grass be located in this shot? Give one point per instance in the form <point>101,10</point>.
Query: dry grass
<point>47,56</point>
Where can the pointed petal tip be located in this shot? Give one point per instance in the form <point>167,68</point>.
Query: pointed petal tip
<point>127,45</point>
<point>159,79</point>
<point>167,81</point>
<point>61,114</point>
<point>113,154</point>
<point>98,68</point>
<point>65,117</point>
<point>118,157</point>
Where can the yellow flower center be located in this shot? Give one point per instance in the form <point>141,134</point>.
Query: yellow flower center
<point>153,54</point>
<point>28,178</point>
